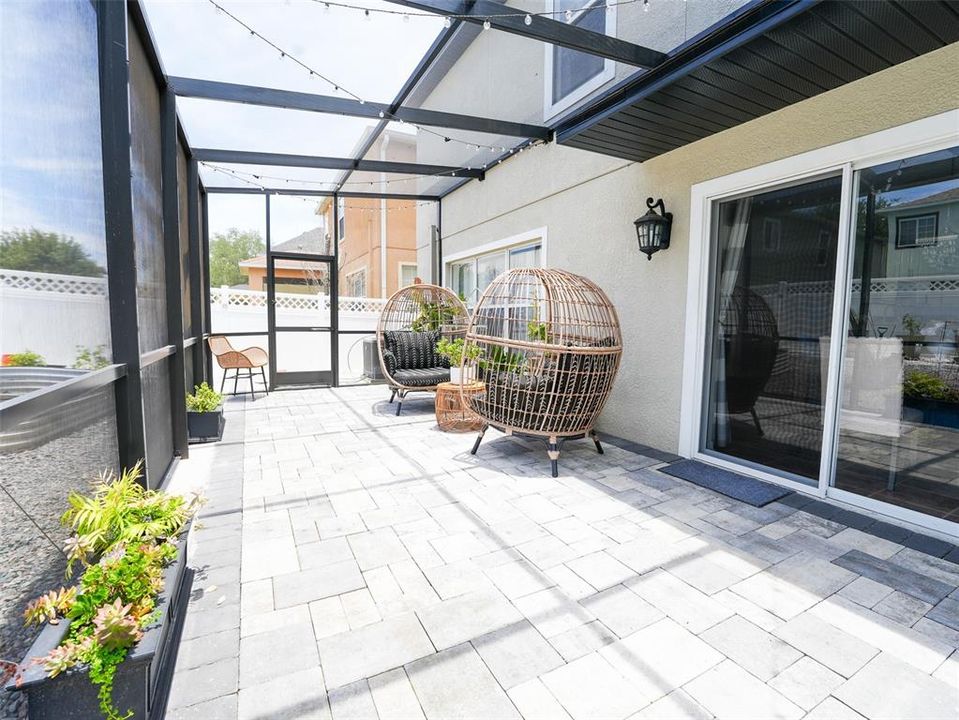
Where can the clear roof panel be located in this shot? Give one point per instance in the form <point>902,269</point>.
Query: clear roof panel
<point>274,177</point>
<point>369,57</point>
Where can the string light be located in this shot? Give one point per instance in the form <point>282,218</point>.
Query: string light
<point>339,88</point>
<point>528,20</point>
<point>449,17</point>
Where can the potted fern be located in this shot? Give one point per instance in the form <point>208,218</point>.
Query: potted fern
<point>457,352</point>
<point>108,642</point>
<point>204,416</point>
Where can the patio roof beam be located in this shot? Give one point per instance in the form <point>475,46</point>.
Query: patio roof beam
<point>331,163</point>
<point>291,100</point>
<point>544,29</point>
<point>226,190</point>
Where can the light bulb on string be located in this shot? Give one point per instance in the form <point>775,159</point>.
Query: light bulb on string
<point>645,5</point>
<point>447,23</point>
<point>569,16</point>
<point>486,24</point>
<point>528,20</point>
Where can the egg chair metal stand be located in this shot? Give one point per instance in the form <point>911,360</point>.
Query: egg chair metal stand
<point>409,328</point>
<point>547,345</point>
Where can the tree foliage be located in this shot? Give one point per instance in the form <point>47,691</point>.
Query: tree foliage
<point>49,252</point>
<point>227,250</point>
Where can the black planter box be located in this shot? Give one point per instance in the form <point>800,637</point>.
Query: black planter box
<point>935,412</point>
<point>204,426</point>
<point>142,681</point>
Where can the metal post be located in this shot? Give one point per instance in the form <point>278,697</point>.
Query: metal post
<point>439,242</point>
<point>173,260</point>
<point>335,294</point>
<point>196,264</point>
<point>270,298</point>
<point>118,223</point>
<point>205,264</point>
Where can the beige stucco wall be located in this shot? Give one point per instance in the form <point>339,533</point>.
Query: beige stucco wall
<point>588,203</point>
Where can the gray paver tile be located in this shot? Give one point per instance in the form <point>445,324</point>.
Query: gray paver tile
<point>590,688</point>
<point>208,648</point>
<point>551,612</point>
<point>394,696</point>
<point>582,640</point>
<point>253,623</point>
<point>462,618</point>
<point>516,653</point>
<point>325,552</point>
<point>377,547</point>
<point>221,708</point>
<point>352,702</point>
<point>621,610</point>
<point>371,650</point>
<point>455,683</point>
<point>683,603</point>
<point>515,579</point>
<point>806,682</point>
<point>199,685</point>
<point>292,696</point>
<point>865,592</point>
<point>832,709</point>
<point>536,702</point>
<point>283,650</point>
<point>752,648</point>
<point>901,608</point>
<point>831,646</point>
<point>305,586</point>
<point>946,613</point>
<point>678,705</point>
<point>600,570</point>
<point>920,696</point>
<point>729,692</point>
<point>896,576</point>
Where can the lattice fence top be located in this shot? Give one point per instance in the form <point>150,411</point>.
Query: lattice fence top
<point>237,297</point>
<point>53,283</point>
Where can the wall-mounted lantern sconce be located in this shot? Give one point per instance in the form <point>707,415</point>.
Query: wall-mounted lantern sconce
<point>652,229</point>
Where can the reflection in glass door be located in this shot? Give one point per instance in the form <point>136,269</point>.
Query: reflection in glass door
<point>301,322</point>
<point>772,291</point>
<point>899,403</point>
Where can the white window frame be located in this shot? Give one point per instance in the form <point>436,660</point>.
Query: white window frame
<point>341,213</point>
<point>926,242</point>
<point>551,109</point>
<point>349,276</point>
<point>399,272</point>
<point>937,132</point>
<point>513,242</point>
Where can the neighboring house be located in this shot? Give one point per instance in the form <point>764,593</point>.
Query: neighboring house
<point>923,235</point>
<point>292,275</point>
<point>377,237</point>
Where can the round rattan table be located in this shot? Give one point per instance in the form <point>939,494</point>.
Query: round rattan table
<point>451,414</point>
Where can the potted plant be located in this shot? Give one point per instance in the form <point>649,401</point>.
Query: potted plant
<point>27,358</point>
<point>456,351</point>
<point>108,640</point>
<point>933,397</point>
<point>204,417</point>
<point>912,340</point>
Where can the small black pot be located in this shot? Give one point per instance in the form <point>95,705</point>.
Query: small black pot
<point>204,426</point>
<point>142,682</point>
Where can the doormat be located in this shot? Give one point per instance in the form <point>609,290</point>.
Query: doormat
<point>739,487</point>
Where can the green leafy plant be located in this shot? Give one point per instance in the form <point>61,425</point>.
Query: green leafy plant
<point>91,358</point>
<point>912,349</point>
<point>27,358</point>
<point>500,359</point>
<point>433,315</point>
<point>455,350</point>
<point>926,386</point>
<point>204,399</point>
<point>132,531</point>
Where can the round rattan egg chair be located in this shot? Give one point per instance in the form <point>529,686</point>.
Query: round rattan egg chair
<point>408,330</point>
<point>546,344</point>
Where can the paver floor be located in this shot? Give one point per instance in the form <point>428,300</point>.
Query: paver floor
<point>352,564</point>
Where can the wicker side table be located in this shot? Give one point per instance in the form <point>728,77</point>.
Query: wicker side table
<point>451,415</point>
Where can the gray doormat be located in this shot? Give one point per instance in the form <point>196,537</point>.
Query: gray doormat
<point>739,487</point>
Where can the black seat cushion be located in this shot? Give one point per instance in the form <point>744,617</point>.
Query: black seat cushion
<point>413,350</point>
<point>422,377</point>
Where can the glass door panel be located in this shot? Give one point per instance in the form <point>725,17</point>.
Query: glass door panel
<point>301,319</point>
<point>899,403</point>
<point>772,289</point>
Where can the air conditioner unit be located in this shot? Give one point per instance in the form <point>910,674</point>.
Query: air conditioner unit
<point>371,359</point>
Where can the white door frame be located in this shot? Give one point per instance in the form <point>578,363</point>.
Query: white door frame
<point>921,136</point>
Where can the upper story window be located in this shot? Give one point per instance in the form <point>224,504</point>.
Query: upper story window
<point>341,212</point>
<point>917,230</point>
<point>572,75</point>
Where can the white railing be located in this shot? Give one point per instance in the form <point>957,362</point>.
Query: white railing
<point>227,297</point>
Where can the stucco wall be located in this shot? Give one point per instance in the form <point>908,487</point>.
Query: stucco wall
<point>588,203</point>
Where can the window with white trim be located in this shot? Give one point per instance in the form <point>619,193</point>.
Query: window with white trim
<point>407,274</point>
<point>341,211</point>
<point>356,284</point>
<point>571,75</point>
<point>917,230</point>
<point>470,276</point>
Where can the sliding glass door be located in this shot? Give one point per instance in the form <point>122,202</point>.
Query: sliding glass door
<point>899,417</point>
<point>853,388</point>
<point>772,292</point>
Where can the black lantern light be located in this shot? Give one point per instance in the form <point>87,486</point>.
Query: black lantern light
<point>652,229</point>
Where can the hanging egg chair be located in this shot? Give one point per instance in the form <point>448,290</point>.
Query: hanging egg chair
<point>407,333</point>
<point>546,344</point>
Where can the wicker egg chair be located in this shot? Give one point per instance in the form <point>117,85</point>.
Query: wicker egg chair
<point>547,344</point>
<point>408,330</point>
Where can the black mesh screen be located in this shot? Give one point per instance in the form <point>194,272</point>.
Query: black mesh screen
<point>182,194</point>
<point>188,379</point>
<point>147,199</point>
<point>41,461</point>
<point>157,417</point>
